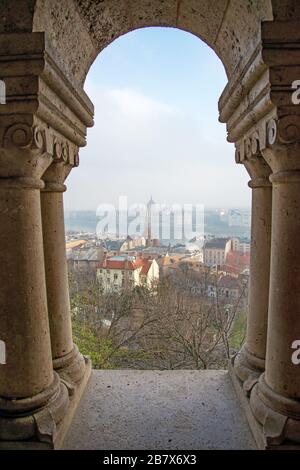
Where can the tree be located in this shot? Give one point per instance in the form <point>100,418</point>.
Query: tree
<point>170,326</point>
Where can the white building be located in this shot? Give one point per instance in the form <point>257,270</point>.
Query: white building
<point>241,244</point>
<point>118,272</point>
<point>239,218</point>
<point>216,250</point>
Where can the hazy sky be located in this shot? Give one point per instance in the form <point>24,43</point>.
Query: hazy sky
<point>156,132</point>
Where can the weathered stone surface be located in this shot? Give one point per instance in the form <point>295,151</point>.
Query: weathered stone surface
<point>195,17</point>
<point>250,361</point>
<point>80,29</point>
<point>23,301</point>
<point>159,410</point>
<point>285,10</point>
<point>67,360</point>
<point>20,20</point>
<point>239,33</point>
<point>69,37</point>
<point>230,28</point>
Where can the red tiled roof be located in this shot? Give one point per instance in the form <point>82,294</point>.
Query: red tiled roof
<point>229,282</point>
<point>127,265</point>
<point>238,259</point>
<point>124,265</point>
<point>169,260</point>
<point>230,269</point>
<point>146,266</point>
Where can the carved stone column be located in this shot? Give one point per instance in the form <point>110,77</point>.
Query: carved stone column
<point>67,360</point>
<point>42,124</point>
<point>32,398</point>
<point>262,114</point>
<point>275,399</point>
<point>250,361</point>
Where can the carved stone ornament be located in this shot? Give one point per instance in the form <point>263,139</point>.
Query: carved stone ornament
<point>24,136</point>
<point>289,129</point>
<point>40,139</point>
<point>285,130</point>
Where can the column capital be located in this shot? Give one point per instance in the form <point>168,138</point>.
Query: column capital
<point>277,140</point>
<point>27,151</point>
<point>65,158</point>
<point>282,153</point>
<point>257,168</point>
<point>45,115</point>
<point>260,106</point>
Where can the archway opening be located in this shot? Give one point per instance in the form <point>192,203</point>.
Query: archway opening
<point>165,301</point>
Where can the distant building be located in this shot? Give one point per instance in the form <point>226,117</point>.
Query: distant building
<point>193,263</point>
<point>229,287</point>
<point>118,246</point>
<point>138,242</point>
<point>239,218</point>
<point>86,259</point>
<point>228,269</point>
<point>215,251</point>
<point>118,272</point>
<point>169,262</point>
<point>113,247</point>
<point>150,240</point>
<point>74,244</point>
<point>154,252</point>
<point>187,248</point>
<point>237,260</point>
<point>242,245</point>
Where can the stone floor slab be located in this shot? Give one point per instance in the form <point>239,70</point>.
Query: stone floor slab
<point>156,410</point>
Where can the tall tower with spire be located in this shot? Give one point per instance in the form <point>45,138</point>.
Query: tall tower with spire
<point>148,224</point>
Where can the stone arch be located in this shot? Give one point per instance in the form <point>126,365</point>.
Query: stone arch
<point>80,29</point>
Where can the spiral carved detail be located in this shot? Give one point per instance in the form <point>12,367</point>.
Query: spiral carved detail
<point>289,129</point>
<point>22,136</point>
<point>19,135</point>
<point>252,144</point>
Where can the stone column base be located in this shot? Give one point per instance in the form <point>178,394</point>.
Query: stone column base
<point>71,369</point>
<point>273,430</point>
<point>50,435</point>
<point>248,369</point>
